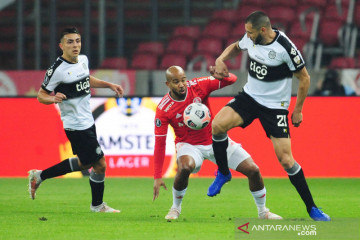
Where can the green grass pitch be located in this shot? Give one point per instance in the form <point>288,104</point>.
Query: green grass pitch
<point>61,209</point>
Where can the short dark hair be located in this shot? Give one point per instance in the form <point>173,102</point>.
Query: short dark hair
<point>258,19</point>
<point>68,30</point>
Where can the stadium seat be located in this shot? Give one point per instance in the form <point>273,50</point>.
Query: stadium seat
<point>281,14</point>
<point>217,29</point>
<point>232,40</point>
<point>342,62</point>
<point>183,46</point>
<point>235,63</point>
<point>201,57</point>
<point>152,47</point>
<point>285,3</point>
<point>238,30</point>
<point>192,32</point>
<point>114,63</point>
<point>213,46</point>
<point>329,32</point>
<point>244,10</point>
<point>332,12</point>
<point>296,30</point>
<point>256,3</point>
<point>357,14</point>
<point>144,61</point>
<point>171,59</point>
<point>228,15</point>
<point>317,3</point>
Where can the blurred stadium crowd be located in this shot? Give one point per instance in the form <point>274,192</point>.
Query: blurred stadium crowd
<point>154,34</point>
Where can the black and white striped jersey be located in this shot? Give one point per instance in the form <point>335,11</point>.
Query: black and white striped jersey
<point>270,70</point>
<point>73,80</point>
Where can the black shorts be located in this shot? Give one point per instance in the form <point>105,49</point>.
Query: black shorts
<point>85,145</point>
<point>274,121</point>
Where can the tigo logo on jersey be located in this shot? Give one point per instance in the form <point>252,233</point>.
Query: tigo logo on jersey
<point>261,71</point>
<point>83,86</point>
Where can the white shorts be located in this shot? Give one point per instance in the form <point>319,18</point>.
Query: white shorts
<point>235,153</point>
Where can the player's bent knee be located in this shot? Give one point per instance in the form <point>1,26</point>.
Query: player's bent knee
<point>286,161</point>
<point>217,128</point>
<point>254,172</point>
<point>185,169</point>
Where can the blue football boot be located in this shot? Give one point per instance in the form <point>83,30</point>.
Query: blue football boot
<point>219,181</point>
<point>318,215</point>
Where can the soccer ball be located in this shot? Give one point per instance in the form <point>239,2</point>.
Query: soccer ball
<point>197,116</point>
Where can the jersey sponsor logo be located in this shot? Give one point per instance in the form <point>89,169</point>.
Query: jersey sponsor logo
<point>293,51</point>
<point>197,100</point>
<point>75,89</point>
<point>272,54</point>
<point>83,86</point>
<point>266,73</point>
<point>158,122</point>
<point>260,71</point>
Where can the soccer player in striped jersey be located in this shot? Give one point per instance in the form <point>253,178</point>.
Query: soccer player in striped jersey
<point>193,146</point>
<point>274,59</point>
<point>69,77</point>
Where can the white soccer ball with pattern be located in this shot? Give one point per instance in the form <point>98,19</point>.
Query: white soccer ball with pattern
<point>197,116</point>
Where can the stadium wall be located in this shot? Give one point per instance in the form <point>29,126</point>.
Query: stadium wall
<point>326,144</point>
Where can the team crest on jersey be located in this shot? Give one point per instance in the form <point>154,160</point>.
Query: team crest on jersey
<point>158,122</point>
<point>272,54</point>
<point>197,100</point>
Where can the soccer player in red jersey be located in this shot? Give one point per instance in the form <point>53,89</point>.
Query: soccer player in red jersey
<point>193,146</point>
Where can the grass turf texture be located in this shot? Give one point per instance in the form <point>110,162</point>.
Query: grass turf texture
<point>61,208</point>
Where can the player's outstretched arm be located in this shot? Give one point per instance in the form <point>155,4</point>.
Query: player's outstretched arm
<point>45,98</point>
<point>230,52</point>
<point>98,83</point>
<point>158,182</point>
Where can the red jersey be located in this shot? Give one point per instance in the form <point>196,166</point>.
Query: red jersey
<point>170,111</point>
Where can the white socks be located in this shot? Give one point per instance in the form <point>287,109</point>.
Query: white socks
<point>260,199</point>
<point>177,198</point>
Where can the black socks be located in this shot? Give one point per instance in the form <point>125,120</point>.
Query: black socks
<point>298,180</point>
<point>220,153</point>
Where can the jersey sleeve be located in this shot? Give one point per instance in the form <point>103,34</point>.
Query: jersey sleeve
<point>292,56</point>
<point>226,81</point>
<point>243,42</point>
<point>161,126</point>
<point>52,78</point>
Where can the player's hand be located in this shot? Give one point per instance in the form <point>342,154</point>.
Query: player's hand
<point>216,75</point>
<point>296,118</point>
<point>59,97</point>
<point>157,184</point>
<point>117,89</point>
<point>221,69</point>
